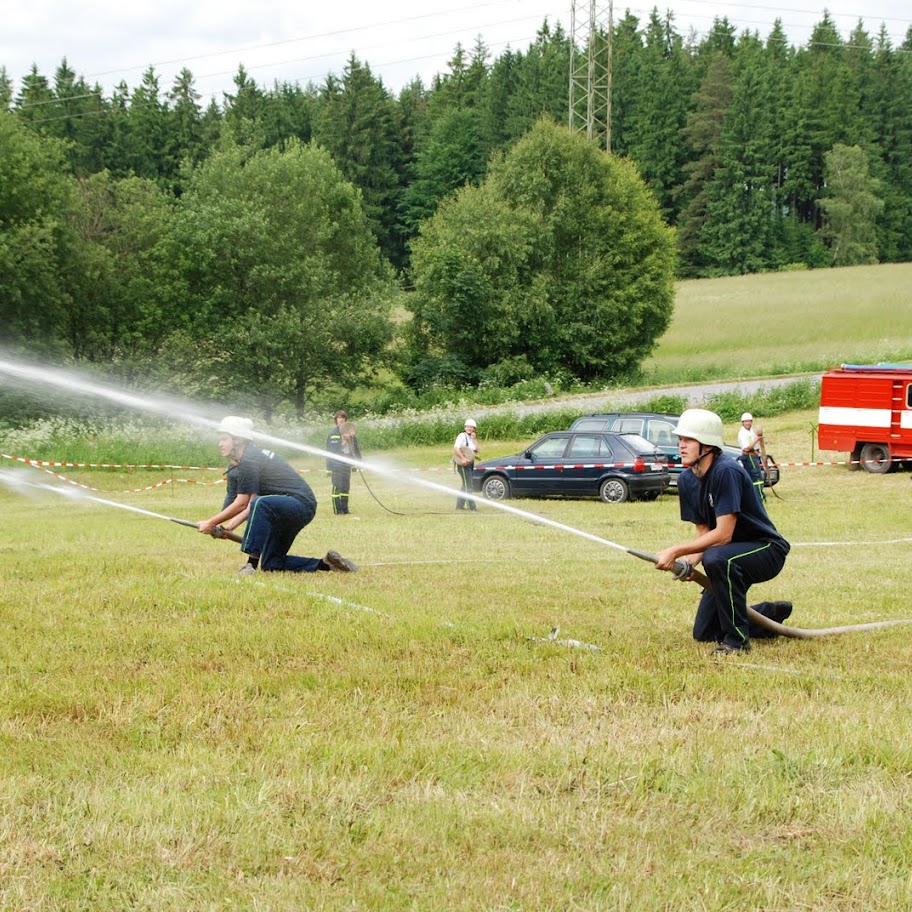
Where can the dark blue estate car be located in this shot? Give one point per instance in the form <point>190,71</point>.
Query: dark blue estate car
<point>657,429</point>
<point>613,467</point>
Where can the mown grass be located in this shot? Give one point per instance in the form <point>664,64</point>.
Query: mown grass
<point>785,323</point>
<point>175,738</point>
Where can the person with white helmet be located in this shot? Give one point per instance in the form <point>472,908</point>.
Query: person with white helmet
<point>749,440</point>
<point>276,502</point>
<point>734,538</point>
<point>465,452</point>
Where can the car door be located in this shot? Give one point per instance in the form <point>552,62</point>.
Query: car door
<point>585,452</point>
<point>540,470</point>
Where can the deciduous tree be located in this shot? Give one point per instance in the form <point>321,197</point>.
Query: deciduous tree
<point>851,207</point>
<point>559,257</point>
<point>285,286</point>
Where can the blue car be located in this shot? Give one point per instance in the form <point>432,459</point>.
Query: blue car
<point>612,467</point>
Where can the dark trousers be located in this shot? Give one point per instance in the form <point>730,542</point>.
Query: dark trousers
<point>273,523</point>
<point>465,477</point>
<point>341,484</point>
<point>733,569</point>
<point>751,465</point>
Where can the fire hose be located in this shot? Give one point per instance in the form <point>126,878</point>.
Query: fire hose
<point>217,532</point>
<point>683,570</point>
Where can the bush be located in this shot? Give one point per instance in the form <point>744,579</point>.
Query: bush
<point>798,396</point>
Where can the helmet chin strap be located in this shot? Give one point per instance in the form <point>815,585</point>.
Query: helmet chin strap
<point>700,458</point>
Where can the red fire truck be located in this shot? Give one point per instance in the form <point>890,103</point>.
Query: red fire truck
<point>866,410</point>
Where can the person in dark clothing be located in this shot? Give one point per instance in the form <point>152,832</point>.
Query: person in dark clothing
<point>735,539</point>
<point>276,502</point>
<point>343,440</point>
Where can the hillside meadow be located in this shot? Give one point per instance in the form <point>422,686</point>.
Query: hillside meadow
<point>174,737</point>
<point>785,323</point>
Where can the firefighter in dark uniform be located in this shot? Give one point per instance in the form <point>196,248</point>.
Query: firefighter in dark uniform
<point>734,537</point>
<point>343,440</point>
<point>275,501</point>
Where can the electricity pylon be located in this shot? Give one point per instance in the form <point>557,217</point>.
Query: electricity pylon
<point>591,22</point>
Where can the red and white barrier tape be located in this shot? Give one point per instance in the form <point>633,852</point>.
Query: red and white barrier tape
<point>108,465</point>
<point>43,467</point>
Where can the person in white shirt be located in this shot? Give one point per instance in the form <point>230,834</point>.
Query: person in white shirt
<point>749,442</point>
<point>465,452</point>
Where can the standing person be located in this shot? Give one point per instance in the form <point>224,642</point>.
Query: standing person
<point>734,538</point>
<point>276,502</point>
<point>465,452</point>
<point>750,441</point>
<point>342,439</point>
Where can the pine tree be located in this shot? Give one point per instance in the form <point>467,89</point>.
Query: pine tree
<point>6,90</point>
<point>357,123</point>
<point>703,133</point>
<point>627,60</point>
<point>185,143</point>
<point>664,87</point>
<point>736,232</point>
<point>243,111</point>
<point>35,100</point>
<point>889,114</point>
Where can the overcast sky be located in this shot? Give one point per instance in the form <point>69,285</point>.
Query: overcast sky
<point>107,41</point>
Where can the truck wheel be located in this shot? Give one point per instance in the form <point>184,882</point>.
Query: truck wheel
<point>875,458</point>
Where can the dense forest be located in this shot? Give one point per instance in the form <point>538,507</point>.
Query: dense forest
<point>758,154</point>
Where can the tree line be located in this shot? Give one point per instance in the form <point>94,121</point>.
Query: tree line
<point>127,234</point>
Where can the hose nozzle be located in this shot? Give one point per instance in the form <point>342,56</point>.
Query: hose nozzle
<point>683,569</point>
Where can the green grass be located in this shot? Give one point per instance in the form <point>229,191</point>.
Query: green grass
<point>785,323</point>
<point>175,738</point>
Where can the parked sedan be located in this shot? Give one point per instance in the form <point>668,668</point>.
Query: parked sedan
<point>658,429</point>
<point>613,467</point>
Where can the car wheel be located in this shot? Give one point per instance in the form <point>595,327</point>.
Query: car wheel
<point>875,457</point>
<point>496,487</point>
<point>613,490</point>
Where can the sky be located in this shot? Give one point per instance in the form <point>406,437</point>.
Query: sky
<point>302,41</point>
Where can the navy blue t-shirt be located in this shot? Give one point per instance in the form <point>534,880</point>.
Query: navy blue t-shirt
<point>264,472</point>
<point>725,489</point>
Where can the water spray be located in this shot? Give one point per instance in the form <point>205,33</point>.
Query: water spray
<point>10,481</point>
<point>73,383</point>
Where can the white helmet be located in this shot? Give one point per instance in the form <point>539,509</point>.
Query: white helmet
<point>747,416</point>
<point>236,427</point>
<point>701,425</point>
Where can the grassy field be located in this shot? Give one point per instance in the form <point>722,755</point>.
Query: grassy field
<point>173,737</point>
<point>786,323</point>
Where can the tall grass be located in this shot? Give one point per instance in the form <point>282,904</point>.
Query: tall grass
<point>138,442</point>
